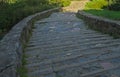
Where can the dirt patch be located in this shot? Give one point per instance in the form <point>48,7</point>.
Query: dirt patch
<point>75,6</point>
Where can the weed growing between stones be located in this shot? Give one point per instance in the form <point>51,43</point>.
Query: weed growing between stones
<point>115,36</point>
<point>22,70</point>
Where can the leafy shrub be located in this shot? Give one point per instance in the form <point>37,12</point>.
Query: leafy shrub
<point>100,8</point>
<point>60,2</point>
<point>64,2</point>
<point>115,5</point>
<point>12,11</point>
<point>96,4</point>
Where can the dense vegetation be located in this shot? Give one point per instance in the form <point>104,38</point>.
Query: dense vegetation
<point>12,11</point>
<point>96,4</point>
<point>115,5</point>
<point>109,4</point>
<point>105,8</point>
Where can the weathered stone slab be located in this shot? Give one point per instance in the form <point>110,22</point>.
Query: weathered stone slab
<point>70,49</point>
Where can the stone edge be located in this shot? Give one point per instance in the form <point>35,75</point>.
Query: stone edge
<point>101,24</point>
<point>12,45</point>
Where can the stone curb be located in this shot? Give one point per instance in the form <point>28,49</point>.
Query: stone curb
<point>104,25</point>
<point>12,45</point>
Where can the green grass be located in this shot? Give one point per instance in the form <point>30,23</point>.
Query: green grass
<point>96,7</point>
<point>115,15</point>
<point>22,71</point>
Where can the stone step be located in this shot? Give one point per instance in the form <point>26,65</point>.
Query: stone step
<point>71,55</point>
<point>99,71</point>
<point>70,31</point>
<point>51,20</point>
<point>61,46</point>
<point>65,33</point>
<point>46,25</point>
<point>86,62</point>
<point>73,52</point>
<point>74,40</point>
<point>52,41</point>
<point>42,73</point>
<point>73,46</point>
<point>86,69</point>
<point>54,69</point>
<point>47,38</point>
<point>56,52</point>
<point>72,58</point>
<point>83,59</point>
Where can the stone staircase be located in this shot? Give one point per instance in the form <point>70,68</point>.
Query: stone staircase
<point>62,46</point>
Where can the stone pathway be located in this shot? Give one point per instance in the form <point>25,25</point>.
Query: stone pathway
<point>75,6</point>
<point>61,46</point>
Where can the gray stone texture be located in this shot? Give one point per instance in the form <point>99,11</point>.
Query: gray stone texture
<point>104,25</point>
<point>12,45</point>
<point>62,46</point>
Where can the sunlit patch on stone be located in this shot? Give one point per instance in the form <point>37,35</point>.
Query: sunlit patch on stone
<point>52,27</point>
<point>51,30</point>
<point>97,45</point>
<point>68,54</point>
<point>86,39</point>
<point>75,29</point>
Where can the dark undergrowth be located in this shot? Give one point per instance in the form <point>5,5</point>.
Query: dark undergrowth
<point>12,11</point>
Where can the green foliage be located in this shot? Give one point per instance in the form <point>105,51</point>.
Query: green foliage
<point>116,1</point>
<point>96,4</point>
<point>8,1</point>
<point>106,4</point>
<point>60,2</point>
<point>12,11</point>
<point>115,5</point>
<point>64,3</point>
<point>100,8</point>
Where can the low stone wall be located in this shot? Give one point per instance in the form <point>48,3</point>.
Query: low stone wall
<point>12,45</point>
<point>101,24</point>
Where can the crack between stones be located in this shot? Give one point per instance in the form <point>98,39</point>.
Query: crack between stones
<point>52,65</point>
<point>8,66</point>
